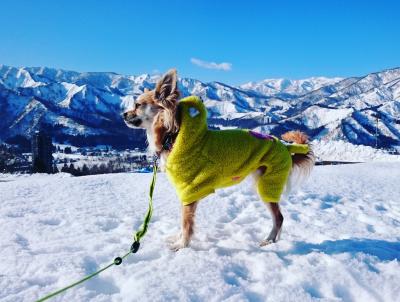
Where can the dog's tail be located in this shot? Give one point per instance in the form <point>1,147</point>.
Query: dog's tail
<point>303,158</point>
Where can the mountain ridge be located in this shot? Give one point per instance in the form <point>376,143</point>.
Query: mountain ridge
<point>78,107</point>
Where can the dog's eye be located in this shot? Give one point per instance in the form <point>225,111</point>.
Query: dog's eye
<point>137,105</point>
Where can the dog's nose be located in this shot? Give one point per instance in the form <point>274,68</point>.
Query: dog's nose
<point>125,114</point>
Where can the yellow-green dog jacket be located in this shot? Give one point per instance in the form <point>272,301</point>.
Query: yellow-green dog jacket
<point>203,160</point>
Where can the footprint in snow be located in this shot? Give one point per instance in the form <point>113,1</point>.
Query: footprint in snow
<point>107,224</point>
<point>380,208</point>
<point>22,241</point>
<point>312,290</point>
<point>342,292</point>
<point>15,214</point>
<point>254,297</point>
<point>231,213</point>
<point>234,274</point>
<point>50,221</point>
<point>21,213</point>
<point>328,201</point>
<point>295,216</point>
<point>101,285</point>
<point>370,228</point>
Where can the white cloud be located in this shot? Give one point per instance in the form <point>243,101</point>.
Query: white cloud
<point>212,65</point>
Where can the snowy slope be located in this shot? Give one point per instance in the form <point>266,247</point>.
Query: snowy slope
<point>344,151</point>
<point>340,240</point>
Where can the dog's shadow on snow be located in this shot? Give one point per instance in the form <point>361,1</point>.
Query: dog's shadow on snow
<point>383,250</point>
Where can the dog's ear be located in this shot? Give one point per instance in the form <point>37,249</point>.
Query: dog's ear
<point>166,92</point>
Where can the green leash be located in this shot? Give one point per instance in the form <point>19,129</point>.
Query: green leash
<point>134,248</point>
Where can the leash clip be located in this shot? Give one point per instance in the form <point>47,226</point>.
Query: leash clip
<point>135,246</point>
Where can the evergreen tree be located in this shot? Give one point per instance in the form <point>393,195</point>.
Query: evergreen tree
<point>64,168</point>
<point>102,168</point>
<point>94,169</point>
<point>72,169</point>
<point>85,170</point>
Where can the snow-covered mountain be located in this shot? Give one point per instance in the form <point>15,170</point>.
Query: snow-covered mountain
<point>85,108</point>
<point>286,87</point>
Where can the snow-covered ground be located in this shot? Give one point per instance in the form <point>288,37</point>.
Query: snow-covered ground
<point>344,151</point>
<point>341,239</point>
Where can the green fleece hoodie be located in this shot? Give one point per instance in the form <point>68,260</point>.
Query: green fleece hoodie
<point>203,160</point>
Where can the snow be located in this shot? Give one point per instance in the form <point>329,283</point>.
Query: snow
<point>344,151</point>
<point>127,102</point>
<point>72,127</point>
<point>296,87</point>
<point>316,116</point>
<point>340,240</point>
<point>71,89</point>
<point>17,77</point>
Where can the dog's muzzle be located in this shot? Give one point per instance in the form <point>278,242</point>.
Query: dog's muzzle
<point>132,119</point>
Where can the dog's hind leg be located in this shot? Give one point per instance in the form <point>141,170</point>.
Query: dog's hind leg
<point>277,219</point>
<point>270,186</point>
<point>188,215</point>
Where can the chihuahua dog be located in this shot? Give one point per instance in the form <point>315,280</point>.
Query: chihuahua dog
<point>157,111</point>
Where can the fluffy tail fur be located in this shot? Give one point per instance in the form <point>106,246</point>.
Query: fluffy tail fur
<point>302,163</point>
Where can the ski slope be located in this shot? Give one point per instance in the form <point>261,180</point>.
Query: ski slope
<point>340,242</point>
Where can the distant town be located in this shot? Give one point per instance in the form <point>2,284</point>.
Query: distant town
<point>46,157</point>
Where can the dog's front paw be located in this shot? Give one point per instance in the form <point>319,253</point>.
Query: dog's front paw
<point>177,245</point>
<point>273,237</point>
<point>266,242</point>
<point>173,238</point>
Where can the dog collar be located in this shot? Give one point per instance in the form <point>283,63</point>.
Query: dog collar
<point>168,141</point>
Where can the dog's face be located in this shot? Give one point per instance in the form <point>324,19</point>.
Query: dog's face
<point>150,105</point>
<point>145,110</point>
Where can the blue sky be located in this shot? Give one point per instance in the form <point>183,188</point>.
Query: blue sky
<point>229,41</point>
